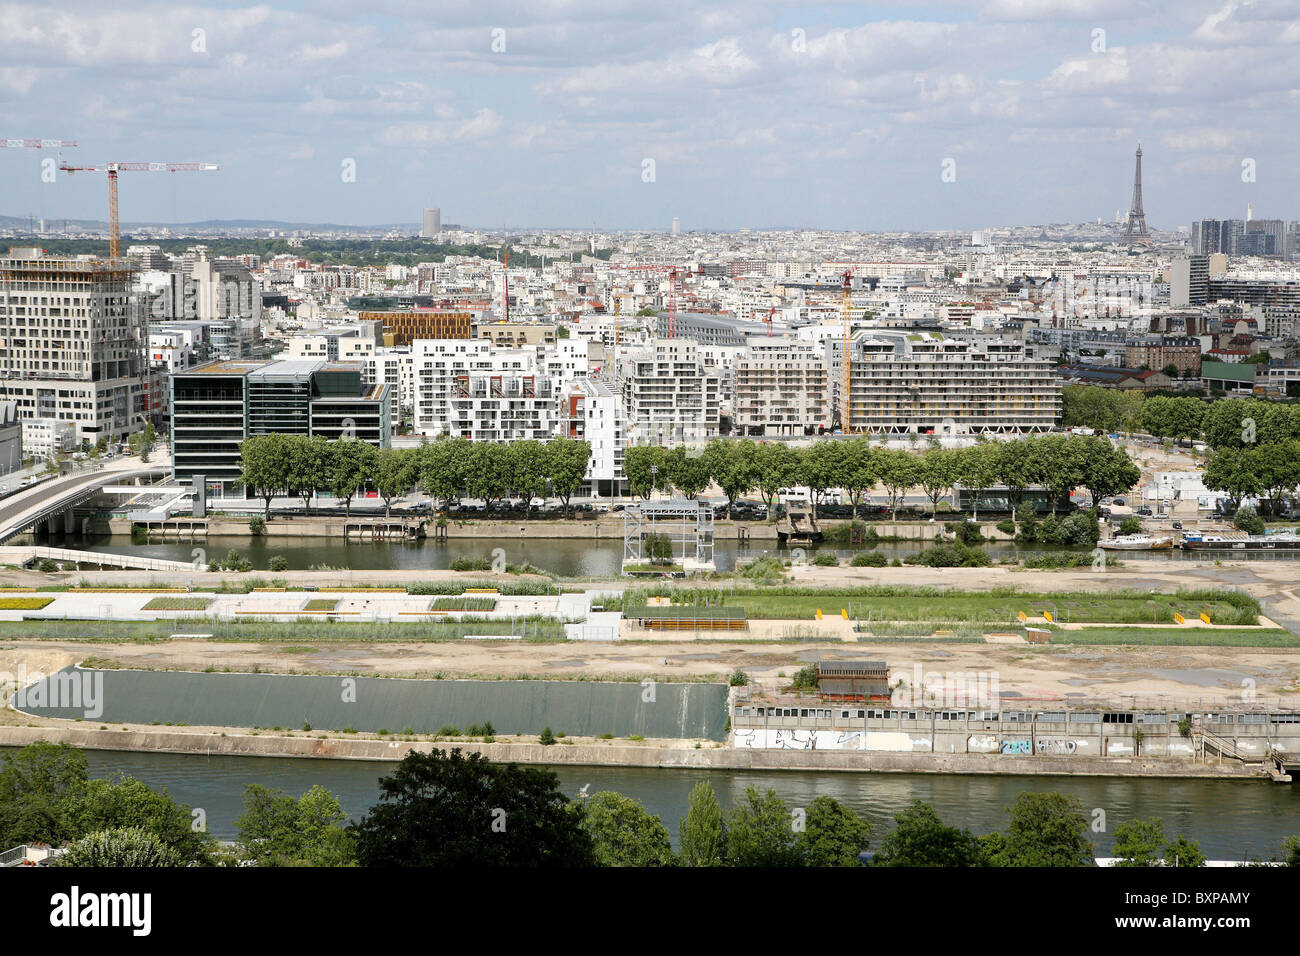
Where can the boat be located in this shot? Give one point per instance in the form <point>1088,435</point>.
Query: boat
<point>1136,542</point>
<point>798,524</point>
<point>1281,541</point>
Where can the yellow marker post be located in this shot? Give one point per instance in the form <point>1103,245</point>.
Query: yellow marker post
<point>1047,615</point>
<point>844,613</point>
<point>819,614</point>
<point>1206,618</point>
<point>1023,616</point>
<point>1179,619</point>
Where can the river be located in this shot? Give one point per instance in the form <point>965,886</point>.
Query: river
<point>564,557</point>
<point>1229,818</point>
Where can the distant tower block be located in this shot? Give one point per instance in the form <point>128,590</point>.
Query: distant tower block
<point>432,224</point>
<point>1135,230</point>
<point>677,226</point>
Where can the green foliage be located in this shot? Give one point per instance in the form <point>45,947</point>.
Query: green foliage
<point>277,830</point>
<point>738,679</point>
<point>920,838</point>
<point>1047,829</point>
<point>825,560</point>
<point>547,737</point>
<point>1130,525</point>
<point>702,833</point>
<point>951,556</point>
<point>869,559</point>
<point>118,847</point>
<point>1181,851</point>
<point>805,678</point>
<point>1139,842</point>
<point>33,784</point>
<point>760,832</point>
<point>834,835</point>
<point>278,562</point>
<point>257,525</point>
<point>453,809</point>
<point>1007,526</point>
<point>96,805</point>
<point>1247,520</point>
<point>624,833</point>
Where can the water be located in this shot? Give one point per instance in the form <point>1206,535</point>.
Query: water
<point>565,557</point>
<point>1229,818</point>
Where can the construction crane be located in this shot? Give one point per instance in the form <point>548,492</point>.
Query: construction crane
<point>674,272</point>
<point>768,320</point>
<point>846,360</point>
<point>36,143</point>
<point>114,168</point>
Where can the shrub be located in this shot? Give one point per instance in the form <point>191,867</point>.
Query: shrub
<point>48,566</point>
<point>824,560</point>
<point>484,729</point>
<point>257,525</point>
<point>951,556</point>
<point>739,679</point>
<point>278,562</point>
<point>449,731</point>
<point>805,678</point>
<point>119,847</point>
<point>869,559</point>
<point>547,737</point>
<point>1246,519</point>
<point>1007,526</point>
<point>1130,525</point>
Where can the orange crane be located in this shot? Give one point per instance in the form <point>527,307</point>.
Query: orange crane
<point>768,320</point>
<point>674,273</point>
<point>114,168</point>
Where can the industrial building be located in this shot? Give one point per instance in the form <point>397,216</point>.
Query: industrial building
<point>218,405</point>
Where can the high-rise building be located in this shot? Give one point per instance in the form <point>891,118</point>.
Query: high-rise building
<point>72,344</point>
<point>1207,237</point>
<point>677,226</point>
<point>1189,281</point>
<point>432,224</point>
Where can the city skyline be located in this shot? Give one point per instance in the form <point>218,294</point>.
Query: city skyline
<point>835,116</point>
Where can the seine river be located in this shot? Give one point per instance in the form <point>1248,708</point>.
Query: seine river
<point>1230,818</point>
<point>566,557</point>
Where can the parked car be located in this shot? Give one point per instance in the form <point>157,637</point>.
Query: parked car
<point>1178,526</point>
<point>1161,516</point>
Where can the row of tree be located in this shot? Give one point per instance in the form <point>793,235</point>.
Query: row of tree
<point>1057,463</point>
<point>452,809</point>
<point>1224,423</point>
<point>275,465</point>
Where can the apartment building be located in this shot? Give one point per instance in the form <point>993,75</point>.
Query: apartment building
<point>516,334</point>
<point>72,343</point>
<point>469,388</point>
<point>782,388</point>
<point>217,405</point>
<point>669,394</point>
<point>589,410</point>
<point>1159,352</point>
<point>924,383</point>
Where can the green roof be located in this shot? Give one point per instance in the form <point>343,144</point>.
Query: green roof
<point>1233,371</point>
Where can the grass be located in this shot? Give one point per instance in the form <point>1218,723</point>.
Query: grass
<point>1191,637</point>
<point>24,603</point>
<point>178,604</point>
<point>321,604</point>
<point>942,606</point>
<point>464,604</point>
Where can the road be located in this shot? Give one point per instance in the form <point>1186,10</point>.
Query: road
<point>21,508</point>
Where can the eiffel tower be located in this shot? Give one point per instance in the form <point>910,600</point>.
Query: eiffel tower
<point>1135,230</point>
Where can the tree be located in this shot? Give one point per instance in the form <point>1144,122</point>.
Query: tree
<point>624,833</point>
<point>702,833</point>
<point>95,805</point>
<point>1167,417</point>
<point>565,466</point>
<point>1277,466</point>
<point>898,471</point>
<point>33,784</point>
<point>444,466</point>
<point>307,466</point>
<point>119,847</point>
<point>395,474</point>
<point>834,835</point>
<point>778,467</point>
<point>264,466</point>
<point>977,469</point>
<point>1055,466</point>
<point>277,830</point>
<point>527,460</point>
<point>1101,468</point>
<point>1013,462</point>
<point>920,838</point>
<point>936,471</point>
<point>1233,472</point>
<point>638,462</point>
<point>489,472</point>
<point>1181,851</point>
<point>822,466</point>
<point>760,832</point>
<point>1139,842</point>
<point>733,467</point>
<point>1248,520</point>
<point>861,470</point>
<point>1047,829</point>
<point>349,465</point>
<point>456,809</point>
<point>687,473</point>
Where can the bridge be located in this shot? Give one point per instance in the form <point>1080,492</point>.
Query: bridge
<point>28,554</point>
<point>45,500</point>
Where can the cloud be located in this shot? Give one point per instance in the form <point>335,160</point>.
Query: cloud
<point>484,123</point>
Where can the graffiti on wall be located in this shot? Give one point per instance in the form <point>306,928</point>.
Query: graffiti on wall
<point>1016,747</point>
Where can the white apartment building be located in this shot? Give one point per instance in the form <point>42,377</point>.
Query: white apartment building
<point>469,388</point>
<point>48,437</point>
<point>920,382</point>
<point>668,393</point>
<point>782,388</point>
<point>72,343</point>
<point>589,410</point>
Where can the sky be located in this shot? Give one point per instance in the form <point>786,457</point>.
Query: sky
<point>621,114</point>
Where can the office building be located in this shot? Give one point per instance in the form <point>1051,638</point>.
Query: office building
<point>403,328</point>
<point>1189,281</point>
<point>218,405</point>
<point>432,224</point>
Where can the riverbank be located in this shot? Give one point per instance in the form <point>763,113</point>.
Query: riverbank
<point>666,755</point>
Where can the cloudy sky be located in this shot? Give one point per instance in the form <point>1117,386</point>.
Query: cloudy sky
<point>625,113</point>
